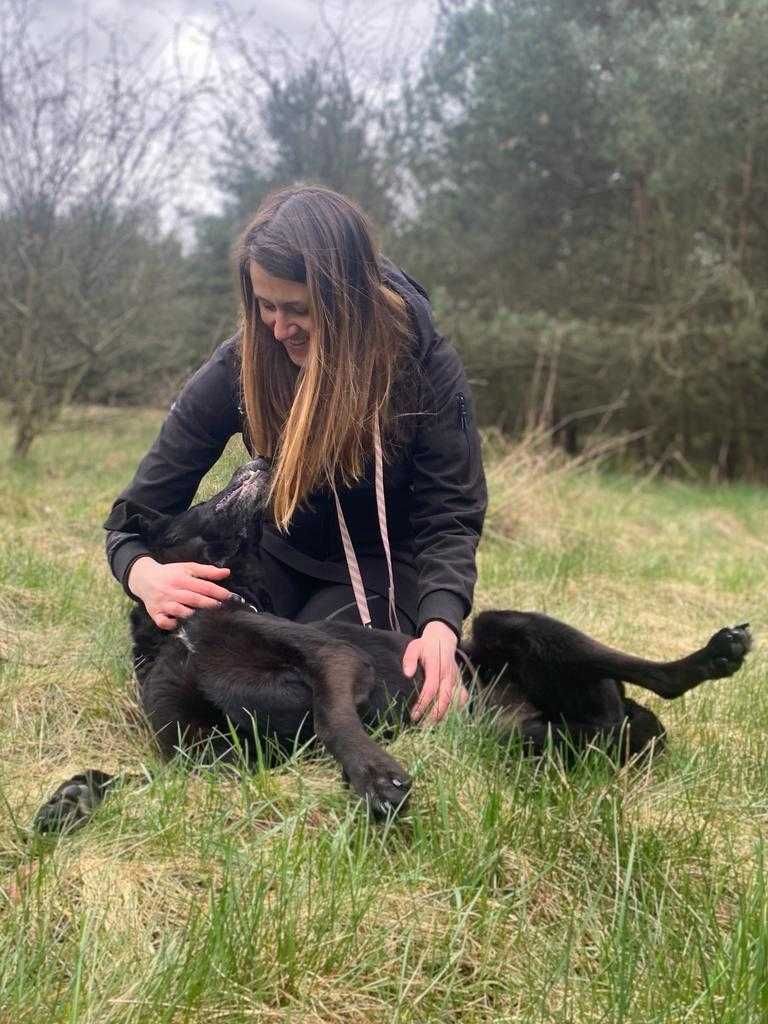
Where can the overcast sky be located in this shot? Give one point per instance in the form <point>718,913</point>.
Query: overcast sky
<point>378,36</point>
<point>392,28</point>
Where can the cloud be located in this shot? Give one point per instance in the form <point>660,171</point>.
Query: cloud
<point>148,18</point>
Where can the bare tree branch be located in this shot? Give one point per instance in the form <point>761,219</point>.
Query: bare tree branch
<point>90,150</point>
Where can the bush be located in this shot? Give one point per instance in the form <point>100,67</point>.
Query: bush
<point>690,393</point>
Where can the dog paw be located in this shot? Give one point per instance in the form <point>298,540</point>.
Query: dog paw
<point>726,650</point>
<point>71,805</point>
<point>379,781</point>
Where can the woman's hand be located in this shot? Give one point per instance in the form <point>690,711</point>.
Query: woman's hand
<point>435,651</point>
<point>173,591</point>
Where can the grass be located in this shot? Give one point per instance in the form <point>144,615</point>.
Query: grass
<point>512,892</point>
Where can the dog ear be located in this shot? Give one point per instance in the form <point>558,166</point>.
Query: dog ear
<point>132,517</point>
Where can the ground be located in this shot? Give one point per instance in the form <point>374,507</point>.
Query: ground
<point>512,892</point>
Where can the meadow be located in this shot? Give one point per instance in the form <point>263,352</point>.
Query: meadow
<point>513,891</point>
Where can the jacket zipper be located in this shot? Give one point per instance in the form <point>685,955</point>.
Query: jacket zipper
<point>462,420</point>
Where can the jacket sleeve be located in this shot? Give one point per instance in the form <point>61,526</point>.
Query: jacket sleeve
<point>449,498</point>
<point>200,422</point>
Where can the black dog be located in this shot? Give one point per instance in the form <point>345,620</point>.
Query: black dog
<point>235,677</point>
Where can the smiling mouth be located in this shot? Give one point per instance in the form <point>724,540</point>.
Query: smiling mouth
<point>296,343</point>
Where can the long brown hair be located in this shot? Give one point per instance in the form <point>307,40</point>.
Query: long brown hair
<point>317,424</point>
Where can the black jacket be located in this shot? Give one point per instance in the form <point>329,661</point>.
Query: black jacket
<point>434,487</point>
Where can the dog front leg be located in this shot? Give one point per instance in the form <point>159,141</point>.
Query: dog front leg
<point>341,680</point>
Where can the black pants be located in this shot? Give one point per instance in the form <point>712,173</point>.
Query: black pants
<point>303,598</point>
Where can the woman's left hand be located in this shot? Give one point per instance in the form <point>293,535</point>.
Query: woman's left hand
<point>435,651</point>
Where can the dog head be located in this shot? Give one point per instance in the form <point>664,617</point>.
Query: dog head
<point>224,530</point>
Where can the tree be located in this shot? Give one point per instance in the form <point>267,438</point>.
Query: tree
<point>327,113</point>
<point>88,149</point>
<point>589,154</point>
<point>503,131</point>
<point>605,162</point>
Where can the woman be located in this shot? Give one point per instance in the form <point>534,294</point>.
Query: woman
<point>336,349</point>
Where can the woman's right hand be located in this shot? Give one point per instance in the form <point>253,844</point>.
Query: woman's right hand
<point>173,591</point>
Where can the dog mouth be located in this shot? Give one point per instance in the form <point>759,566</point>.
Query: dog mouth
<point>250,490</point>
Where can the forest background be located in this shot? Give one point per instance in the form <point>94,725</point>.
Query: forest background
<point>580,184</point>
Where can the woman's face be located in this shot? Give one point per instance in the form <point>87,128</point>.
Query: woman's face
<point>284,308</point>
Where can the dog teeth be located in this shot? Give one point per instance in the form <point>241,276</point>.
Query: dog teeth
<point>398,783</point>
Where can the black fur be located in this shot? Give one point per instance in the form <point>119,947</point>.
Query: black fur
<point>231,677</point>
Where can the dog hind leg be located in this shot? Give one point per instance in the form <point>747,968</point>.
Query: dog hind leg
<point>556,660</point>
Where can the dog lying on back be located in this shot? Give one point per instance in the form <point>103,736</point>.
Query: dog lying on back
<point>237,678</point>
